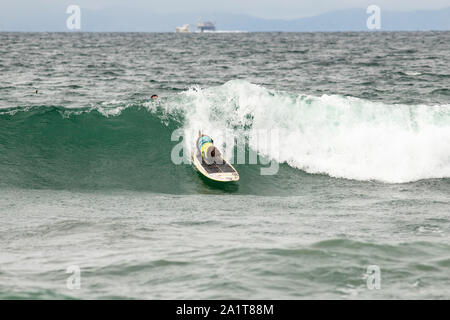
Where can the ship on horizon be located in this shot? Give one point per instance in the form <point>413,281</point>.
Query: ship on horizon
<point>183,29</point>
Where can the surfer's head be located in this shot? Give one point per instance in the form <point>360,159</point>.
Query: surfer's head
<point>154,96</point>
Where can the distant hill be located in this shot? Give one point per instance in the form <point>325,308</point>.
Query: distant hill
<point>128,19</point>
<point>344,20</point>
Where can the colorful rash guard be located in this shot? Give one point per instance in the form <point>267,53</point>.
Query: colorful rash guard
<point>204,142</point>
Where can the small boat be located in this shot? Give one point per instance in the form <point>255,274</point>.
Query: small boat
<point>183,29</point>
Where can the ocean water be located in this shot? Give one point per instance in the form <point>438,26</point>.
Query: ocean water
<point>359,207</point>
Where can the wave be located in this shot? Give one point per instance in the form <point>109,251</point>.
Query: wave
<point>343,137</point>
<point>122,144</point>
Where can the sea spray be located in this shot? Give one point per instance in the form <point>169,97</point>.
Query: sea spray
<point>343,137</point>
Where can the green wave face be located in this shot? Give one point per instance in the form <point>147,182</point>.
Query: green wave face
<point>56,148</point>
<point>49,147</point>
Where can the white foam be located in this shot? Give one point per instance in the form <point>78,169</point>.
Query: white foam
<point>341,136</point>
<point>412,73</point>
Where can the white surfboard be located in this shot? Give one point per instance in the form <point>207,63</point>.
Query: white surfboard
<point>219,172</point>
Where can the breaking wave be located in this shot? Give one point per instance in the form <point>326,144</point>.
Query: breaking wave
<point>123,144</point>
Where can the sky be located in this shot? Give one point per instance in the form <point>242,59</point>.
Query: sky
<point>269,9</point>
<point>247,15</point>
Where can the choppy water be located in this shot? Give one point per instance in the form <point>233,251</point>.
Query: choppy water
<point>86,176</point>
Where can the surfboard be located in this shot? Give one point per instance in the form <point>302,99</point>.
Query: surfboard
<point>219,172</point>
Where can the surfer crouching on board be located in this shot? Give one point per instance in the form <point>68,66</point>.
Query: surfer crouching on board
<point>209,152</point>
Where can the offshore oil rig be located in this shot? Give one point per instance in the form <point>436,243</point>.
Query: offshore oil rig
<point>206,26</point>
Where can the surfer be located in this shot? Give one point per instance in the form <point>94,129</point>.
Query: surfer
<point>209,162</point>
<point>209,152</point>
<point>154,96</point>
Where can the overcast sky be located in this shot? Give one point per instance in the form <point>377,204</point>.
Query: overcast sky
<point>285,9</point>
